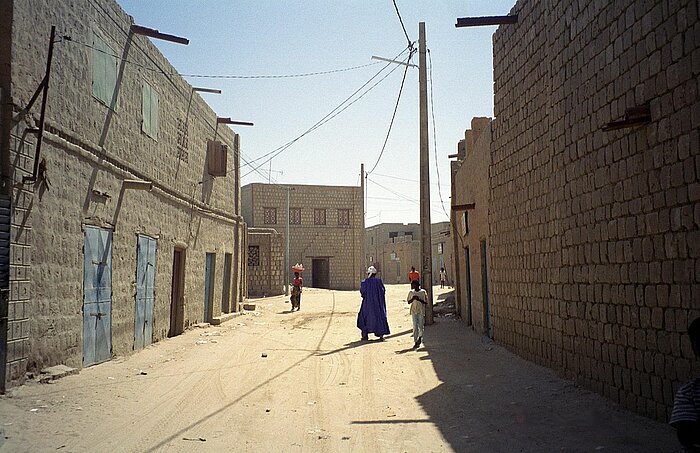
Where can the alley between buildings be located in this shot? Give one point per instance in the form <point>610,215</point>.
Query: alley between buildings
<point>272,380</point>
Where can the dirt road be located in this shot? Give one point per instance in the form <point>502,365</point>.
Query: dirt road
<point>276,381</point>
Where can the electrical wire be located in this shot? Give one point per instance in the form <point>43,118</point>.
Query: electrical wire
<point>221,76</point>
<point>410,44</point>
<point>401,179</point>
<point>393,116</point>
<point>432,112</point>
<point>329,116</point>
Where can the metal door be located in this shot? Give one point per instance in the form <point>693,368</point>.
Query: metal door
<point>145,291</point>
<point>320,277</point>
<point>209,286</point>
<point>97,291</point>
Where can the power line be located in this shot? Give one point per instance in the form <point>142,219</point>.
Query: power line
<point>432,112</point>
<point>223,76</point>
<point>400,179</point>
<point>393,116</point>
<point>328,117</point>
<point>410,44</point>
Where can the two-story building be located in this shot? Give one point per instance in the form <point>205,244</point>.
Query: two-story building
<point>119,208</point>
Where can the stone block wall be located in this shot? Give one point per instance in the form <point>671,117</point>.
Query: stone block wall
<point>266,271</point>
<point>341,245</point>
<point>90,149</point>
<point>594,234</point>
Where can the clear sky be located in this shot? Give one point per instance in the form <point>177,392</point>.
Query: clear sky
<point>259,37</point>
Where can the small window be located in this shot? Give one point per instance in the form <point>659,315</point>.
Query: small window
<point>393,234</point>
<point>295,216</point>
<point>440,247</point>
<point>104,71</point>
<point>343,217</point>
<point>270,216</point>
<point>371,241</point>
<point>253,255</point>
<point>149,124</point>
<point>319,216</point>
<point>466,222</point>
<point>371,259</point>
<point>392,256</point>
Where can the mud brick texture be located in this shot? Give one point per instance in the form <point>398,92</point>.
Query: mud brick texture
<point>594,235</point>
<point>90,148</point>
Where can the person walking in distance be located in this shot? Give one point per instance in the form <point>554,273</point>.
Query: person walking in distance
<point>443,277</point>
<point>372,316</point>
<point>418,298</point>
<point>296,291</point>
<point>413,275</point>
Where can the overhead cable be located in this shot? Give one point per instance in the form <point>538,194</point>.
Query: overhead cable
<point>393,116</point>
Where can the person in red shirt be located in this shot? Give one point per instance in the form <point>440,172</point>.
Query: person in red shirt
<point>296,291</point>
<point>413,275</point>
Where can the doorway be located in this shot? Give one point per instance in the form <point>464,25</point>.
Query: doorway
<point>97,296</point>
<point>145,291</point>
<point>177,294</point>
<point>209,272</point>
<point>468,268</point>
<point>485,291</point>
<point>226,292</point>
<point>320,277</point>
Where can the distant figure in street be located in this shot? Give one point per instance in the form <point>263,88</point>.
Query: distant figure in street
<point>413,275</point>
<point>372,315</point>
<point>296,291</point>
<point>443,277</point>
<point>418,299</point>
<point>685,416</point>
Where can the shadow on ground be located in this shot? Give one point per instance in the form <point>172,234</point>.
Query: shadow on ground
<point>492,400</point>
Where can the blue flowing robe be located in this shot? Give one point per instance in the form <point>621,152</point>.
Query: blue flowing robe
<point>372,315</point>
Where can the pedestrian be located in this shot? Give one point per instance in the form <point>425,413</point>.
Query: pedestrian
<point>372,315</point>
<point>296,291</point>
<point>413,275</point>
<point>443,277</point>
<point>685,416</point>
<point>418,299</point>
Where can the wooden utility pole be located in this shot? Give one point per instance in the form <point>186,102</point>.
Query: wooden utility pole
<point>426,255</point>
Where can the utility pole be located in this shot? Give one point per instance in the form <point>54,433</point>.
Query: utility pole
<point>286,252</point>
<point>364,214</point>
<point>426,255</point>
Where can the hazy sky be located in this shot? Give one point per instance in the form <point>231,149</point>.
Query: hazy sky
<point>258,37</point>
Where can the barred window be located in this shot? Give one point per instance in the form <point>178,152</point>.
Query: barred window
<point>253,255</point>
<point>295,216</point>
<point>319,216</point>
<point>343,217</point>
<point>270,216</point>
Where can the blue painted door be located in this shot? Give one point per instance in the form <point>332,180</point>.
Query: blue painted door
<point>145,291</point>
<point>209,286</point>
<point>97,296</point>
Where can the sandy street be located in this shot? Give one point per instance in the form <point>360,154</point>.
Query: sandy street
<point>275,381</point>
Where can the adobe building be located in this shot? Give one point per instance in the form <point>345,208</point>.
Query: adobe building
<point>392,248</point>
<point>470,227</point>
<point>120,208</point>
<point>593,240</point>
<point>265,262</point>
<point>442,251</point>
<point>326,229</point>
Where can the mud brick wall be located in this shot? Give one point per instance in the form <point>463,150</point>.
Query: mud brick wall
<point>471,185</point>
<point>90,149</point>
<point>342,245</point>
<point>266,278</point>
<point>595,236</point>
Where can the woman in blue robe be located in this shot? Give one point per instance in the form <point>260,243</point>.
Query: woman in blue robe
<point>372,315</point>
